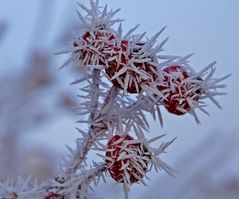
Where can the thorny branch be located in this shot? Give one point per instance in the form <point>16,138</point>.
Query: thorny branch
<point>97,128</point>
<point>132,65</point>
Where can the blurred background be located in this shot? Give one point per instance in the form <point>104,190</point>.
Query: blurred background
<point>37,104</point>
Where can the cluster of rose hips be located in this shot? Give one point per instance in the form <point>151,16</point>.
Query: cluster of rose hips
<point>130,70</point>
<point>132,64</point>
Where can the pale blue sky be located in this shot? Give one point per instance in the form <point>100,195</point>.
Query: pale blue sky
<point>209,28</point>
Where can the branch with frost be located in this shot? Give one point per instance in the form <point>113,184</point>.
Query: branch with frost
<point>126,77</point>
<point>80,154</point>
<point>97,128</point>
<point>78,185</point>
<point>21,189</point>
<point>133,65</point>
<point>94,92</point>
<point>75,187</point>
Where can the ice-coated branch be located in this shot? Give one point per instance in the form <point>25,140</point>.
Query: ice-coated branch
<point>94,92</point>
<point>126,79</point>
<point>22,189</point>
<point>78,185</point>
<point>98,126</point>
<point>134,65</point>
<point>75,187</point>
<point>80,154</point>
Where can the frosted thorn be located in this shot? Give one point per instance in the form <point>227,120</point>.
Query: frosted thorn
<point>120,31</point>
<point>126,190</point>
<point>116,11</point>
<point>104,12</point>
<point>84,8</point>
<point>154,38</point>
<point>200,73</point>
<point>222,78</point>
<point>214,100</point>
<point>195,117</point>
<point>131,31</point>
<point>81,18</point>
<point>156,138</point>
<point>159,115</point>
<point>187,57</point>
<point>67,62</point>
<point>160,46</point>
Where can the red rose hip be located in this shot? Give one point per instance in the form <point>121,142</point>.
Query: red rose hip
<point>181,93</point>
<point>127,159</point>
<point>125,68</point>
<point>91,46</point>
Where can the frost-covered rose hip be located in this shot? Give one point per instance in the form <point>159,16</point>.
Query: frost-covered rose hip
<point>89,49</point>
<point>52,195</point>
<point>128,68</point>
<point>127,159</point>
<point>181,93</point>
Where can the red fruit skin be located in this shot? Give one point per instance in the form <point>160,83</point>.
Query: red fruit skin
<point>100,40</point>
<point>114,167</point>
<point>113,67</point>
<point>177,98</point>
<point>52,195</point>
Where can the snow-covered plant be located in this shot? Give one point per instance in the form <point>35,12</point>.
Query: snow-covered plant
<point>124,79</point>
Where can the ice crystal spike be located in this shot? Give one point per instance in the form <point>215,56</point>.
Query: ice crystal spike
<point>129,33</point>
<point>96,16</point>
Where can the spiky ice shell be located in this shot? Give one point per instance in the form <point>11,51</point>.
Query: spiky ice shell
<point>180,95</point>
<point>89,49</point>
<point>127,70</point>
<point>127,160</point>
<point>52,195</point>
